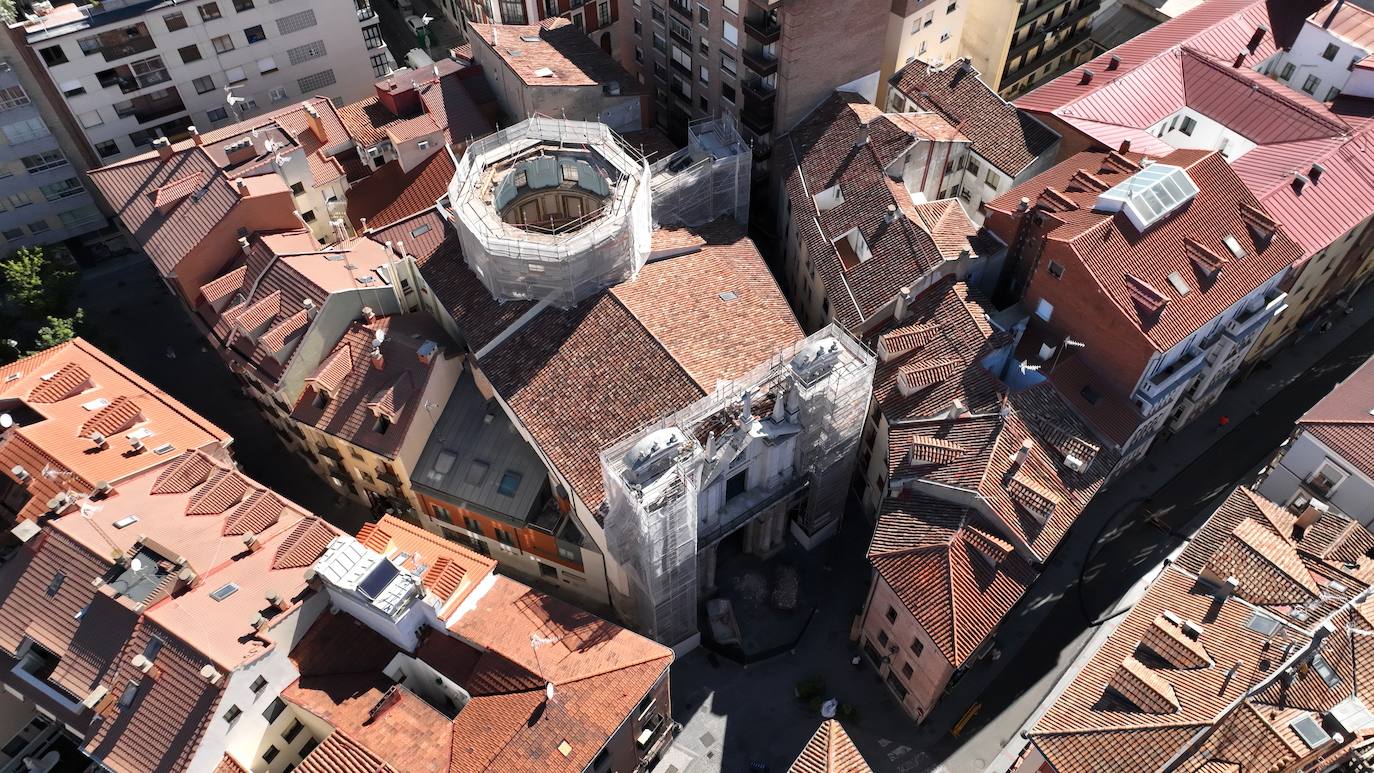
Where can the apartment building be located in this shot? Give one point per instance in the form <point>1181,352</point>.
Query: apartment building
<point>1250,649</point>
<point>41,165</point>
<point>1142,283</point>
<point>928,30</point>
<point>132,71</point>
<point>1280,93</point>
<point>1326,462</point>
<point>597,20</point>
<point>767,64</point>
<point>1006,145</point>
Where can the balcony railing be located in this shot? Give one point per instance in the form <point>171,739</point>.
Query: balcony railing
<point>763,29</point>
<point>1050,54</point>
<point>128,48</point>
<point>1243,325</point>
<point>761,63</point>
<point>1157,386</point>
<point>758,91</point>
<point>366,13</point>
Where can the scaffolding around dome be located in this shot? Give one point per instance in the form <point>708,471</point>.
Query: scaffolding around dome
<point>551,210</point>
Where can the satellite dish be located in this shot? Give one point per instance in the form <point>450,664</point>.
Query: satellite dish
<point>136,565</point>
<point>6,421</point>
<point>426,19</point>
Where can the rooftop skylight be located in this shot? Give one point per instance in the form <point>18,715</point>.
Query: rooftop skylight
<point>1149,195</point>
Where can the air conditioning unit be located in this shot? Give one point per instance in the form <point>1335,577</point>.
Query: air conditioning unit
<point>1074,463</point>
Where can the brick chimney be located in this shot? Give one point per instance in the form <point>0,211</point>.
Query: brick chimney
<point>402,99</point>
<point>312,119</point>
<point>164,148</point>
<point>378,361</point>
<point>195,135</point>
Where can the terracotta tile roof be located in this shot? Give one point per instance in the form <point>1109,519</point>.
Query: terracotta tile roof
<point>820,153</point>
<point>340,754</point>
<point>935,557</point>
<point>223,490</point>
<point>582,378</point>
<point>556,45</point>
<point>86,391</point>
<point>1342,420</point>
<point>1132,268</point>
<point>255,514</point>
<point>1267,564</point>
<point>390,194</point>
<point>348,413</point>
<point>829,751</point>
<point>452,571</point>
<point>446,106</point>
<point>303,544</point>
<point>1006,137</point>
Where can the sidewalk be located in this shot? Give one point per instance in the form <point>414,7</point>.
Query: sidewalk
<point>1114,511</point>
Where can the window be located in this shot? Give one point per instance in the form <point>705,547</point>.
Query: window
<point>567,553</point>
<point>504,537</point>
<point>1327,477</point>
<point>296,21</point>
<point>266,65</point>
<point>55,584</point>
<point>319,80</point>
<point>1310,84</point>
<point>380,65</point>
<point>72,88</point>
<point>223,44</point>
<point>883,638</point>
<point>547,571</point>
<point>736,484</point>
<point>1287,71</point>
<point>1056,270</point>
<point>1044,310</point>
<point>307,747</point>
<point>603,14</point>
<point>897,686</point>
<point>729,33</point>
<point>907,670</point>
<point>1330,53</point>
<point>1187,126</point>
<point>258,684</point>
<point>639,54</point>
<point>638,28</point>
<point>107,148</point>
<point>270,754</point>
<point>472,525</point>
<point>254,34</point>
<point>39,226</point>
<point>233,714</point>
<point>61,190</point>
<point>731,5</point>
<point>151,649</point>
<point>11,234</point>
<point>704,104</point>
<point>174,21</point>
<point>23,131</point>
<point>991,178</point>
<point>292,731</point>
<point>1331,94</point>
<point>235,75</point>
<point>209,11</point>
<point>42,162</point>
<point>274,710</point>
<point>53,55</point>
<point>309,217</point>
<point>727,64</point>
<point>215,115</point>
<point>660,43</point>
<point>189,53</point>
<point>13,97</point>
<point>306,52</point>
<point>1089,394</point>
<point>297,188</point>
<point>952,7</point>
<point>704,75</point>
<point>917,647</point>
<point>204,85</point>
<point>510,483</point>
<point>891,615</point>
<point>727,93</point>
<point>372,37</point>
<point>704,16</point>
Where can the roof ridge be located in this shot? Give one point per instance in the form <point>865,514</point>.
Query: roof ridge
<point>610,293</point>
<point>1261,84</point>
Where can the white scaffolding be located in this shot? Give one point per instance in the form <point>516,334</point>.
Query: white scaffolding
<point>603,248</point>
<point>705,180</point>
<point>657,517</point>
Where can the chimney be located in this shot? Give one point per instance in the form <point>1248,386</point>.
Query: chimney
<point>710,445</point>
<point>861,136</point>
<point>195,135</point>
<point>401,99</point>
<point>1311,514</point>
<point>890,216</point>
<point>244,246</point>
<point>1299,182</point>
<point>312,119</point>
<point>957,409</point>
<point>20,474</point>
<point>1023,204</point>
<point>1229,586</point>
<point>1258,37</point>
<point>400,249</point>
<point>1192,630</point>
<point>780,407</point>
<point>276,601</point>
<point>1087,76</point>
<point>209,674</point>
<point>369,316</point>
<point>98,440</point>
<point>164,148</point>
<point>310,310</point>
<point>136,445</point>
<point>903,303</point>
<point>258,623</point>
<point>1021,453</point>
<point>378,361</point>
<point>102,490</point>
<point>1125,147</point>
<point>1113,62</point>
<point>251,542</point>
<point>1315,173</point>
<point>242,185</point>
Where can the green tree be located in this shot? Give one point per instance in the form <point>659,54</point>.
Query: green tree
<point>58,330</point>
<point>7,11</point>
<point>36,285</point>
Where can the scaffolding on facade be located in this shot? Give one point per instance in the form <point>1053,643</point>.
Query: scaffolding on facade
<point>564,265</point>
<point>705,180</point>
<point>658,514</point>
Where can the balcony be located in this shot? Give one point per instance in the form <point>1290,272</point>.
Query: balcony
<point>1161,384</point>
<point>761,63</point>
<point>1245,324</point>
<point>150,107</point>
<point>389,477</point>
<point>130,81</point>
<point>329,452</point>
<point>1044,7</point>
<point>758,92</point>
<point>1049,55</point>
<point>683,9</point>
<point>763,29</point>
<point>365,12</point>
<point>758,118</point>
<point>119,43</point>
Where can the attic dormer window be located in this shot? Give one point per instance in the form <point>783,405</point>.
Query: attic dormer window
<point>321,400</point>
<point>829,198</point>
<point>852,249</point>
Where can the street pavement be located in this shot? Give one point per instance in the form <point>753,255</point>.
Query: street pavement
<point>131,315</point>
<point>733,716</point>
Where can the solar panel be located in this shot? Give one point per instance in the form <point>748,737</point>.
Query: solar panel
<point>1310,732</point>
<point>377,579</point>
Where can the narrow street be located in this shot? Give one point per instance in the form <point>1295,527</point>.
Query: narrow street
<point>737,715</point>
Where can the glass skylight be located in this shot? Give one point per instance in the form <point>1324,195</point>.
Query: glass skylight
<point>1149,195</point>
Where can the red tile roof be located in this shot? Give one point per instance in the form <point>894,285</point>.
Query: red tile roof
<point>1122,262</point>
<point>829,751</point>
<point>1343,422</point>
<point>556,45</point>
<point>390,194</point>
<point>1003,135</point>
